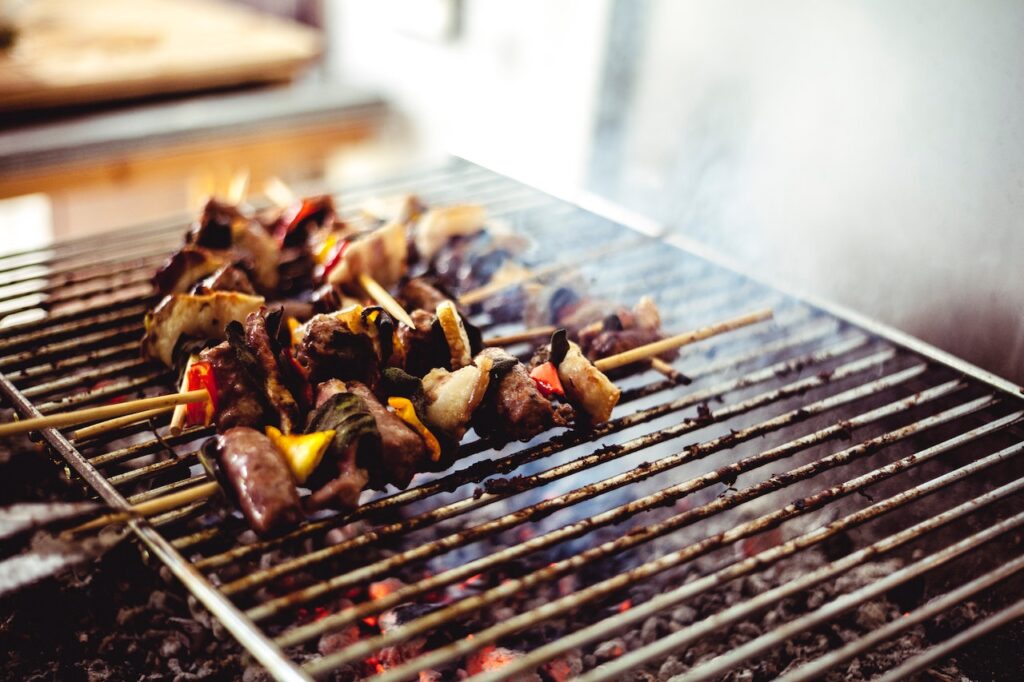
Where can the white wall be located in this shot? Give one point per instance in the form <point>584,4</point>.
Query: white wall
<point>515,87</point>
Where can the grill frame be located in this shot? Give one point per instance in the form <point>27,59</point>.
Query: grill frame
<point>243,623</point>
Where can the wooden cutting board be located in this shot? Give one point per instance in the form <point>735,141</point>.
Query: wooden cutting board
<point>76,51</point>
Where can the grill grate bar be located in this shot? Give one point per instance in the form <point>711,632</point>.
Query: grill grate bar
<point>604,455</point>
<point>616,515</point>
<point>643,572</point>
<point>107,371</point>
<point>665,601</point>
<point>940,651</point>
<point>72,327</point>
<point>910,619</point>
<point>99,394</point>
<point>770,556</point>
<point>845,602</point>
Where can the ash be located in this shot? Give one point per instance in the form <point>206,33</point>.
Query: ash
<point>113,619</point>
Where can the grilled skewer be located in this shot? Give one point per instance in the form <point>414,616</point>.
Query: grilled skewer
<point>174,500</point>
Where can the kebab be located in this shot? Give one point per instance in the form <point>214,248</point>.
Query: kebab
<point>269,506</point>
<point>449,395</point>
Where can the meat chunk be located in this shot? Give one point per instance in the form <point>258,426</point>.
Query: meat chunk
<point>402,451</point>
<point>185,267</point>
<point>419,292</point>
<point>329,350</point>
<point>425,346</point>
<point>238,399</point>
<point>340,479</point>
<point>624,330</point>
<point>198,316</point>
<point>514,409</point>
<point>223,229</point>
<point>260,480</point>
<point>226,278</point>
<point>280,398</point>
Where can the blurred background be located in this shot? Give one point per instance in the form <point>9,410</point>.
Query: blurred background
<point>868,152</point>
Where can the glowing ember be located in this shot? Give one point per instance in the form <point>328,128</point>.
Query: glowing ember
<point>384,587</point>
<point>492,657</point>
<point>471,580</point>
<point>759,543</point>
<point>375,665</point>
<point>625,605</point>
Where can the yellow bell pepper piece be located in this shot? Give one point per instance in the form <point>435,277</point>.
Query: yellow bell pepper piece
<point>293,330</point>
<point>406,412</point>
<point>302,451</point>
<point>326,249</point>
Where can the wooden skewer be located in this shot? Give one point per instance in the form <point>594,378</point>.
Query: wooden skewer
<point>116,423</point>
<point>525,335</point>
<point>89,414</point>
<point>386,301</point>
<point>670,372</point>
<point>486,291</point>
<point>651,350</point>
<point>178,418</point>
<point>278,192</point>
<point>152,507</point>
<point>239,185</point>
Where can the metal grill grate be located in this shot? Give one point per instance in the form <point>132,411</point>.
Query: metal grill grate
<point>804,431</point>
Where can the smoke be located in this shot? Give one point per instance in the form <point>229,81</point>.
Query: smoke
<point>870,153</point>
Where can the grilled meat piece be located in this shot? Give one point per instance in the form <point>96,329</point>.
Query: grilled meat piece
<point>624,330</point>
<point>338,483</point>
<point>260,342</point>
<point>425,346</point>
<point>222,228</point>
<point>197,316</point>
<point>212,230</point>
<point>420,292</point>
<point>513,408</point>
<point>238,399</point>
<point>260,479</point>
<point>185,267</point>
<point>402,452</point>
<point>226,278</point>
<point>328,350</point>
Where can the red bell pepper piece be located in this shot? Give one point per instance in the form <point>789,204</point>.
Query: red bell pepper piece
<point>305,209</point>
<point>546,378</point>
<point>200,375</point>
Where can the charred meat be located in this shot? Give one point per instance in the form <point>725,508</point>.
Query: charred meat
<point>259,479</point>
<point>514,408</point>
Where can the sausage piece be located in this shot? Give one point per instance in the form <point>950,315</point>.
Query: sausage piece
<point>260,479</point>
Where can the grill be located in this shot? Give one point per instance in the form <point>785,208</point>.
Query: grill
<point>806,451</point>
